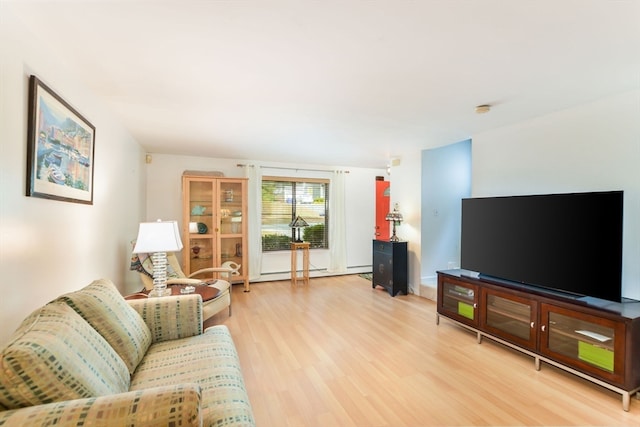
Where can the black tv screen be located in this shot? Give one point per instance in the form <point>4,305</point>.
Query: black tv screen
<point>566,242</point>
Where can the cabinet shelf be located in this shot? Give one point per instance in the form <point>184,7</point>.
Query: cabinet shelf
<point>459,298</point>
<point>508,314</point>
<point>455,292</point>
<point>576,336</point>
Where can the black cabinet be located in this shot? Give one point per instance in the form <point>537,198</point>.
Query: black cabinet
<point>390,268</point>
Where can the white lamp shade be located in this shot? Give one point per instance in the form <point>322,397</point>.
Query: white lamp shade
<point>159,236</point>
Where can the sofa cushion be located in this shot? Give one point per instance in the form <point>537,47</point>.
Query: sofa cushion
<point>209,360</point>
<point>106,310</point>
<point>55,355</point>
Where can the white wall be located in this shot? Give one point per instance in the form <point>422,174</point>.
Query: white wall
<point>593,147</point>
<point>164,200</point>
<point>405,191</point>
<point>50,247</point>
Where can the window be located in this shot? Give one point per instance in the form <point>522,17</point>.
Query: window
<point>282,200</point>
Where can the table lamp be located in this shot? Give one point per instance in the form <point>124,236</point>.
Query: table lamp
<point>298,223</point>
<point>158,238</point>
<point>396,217</point>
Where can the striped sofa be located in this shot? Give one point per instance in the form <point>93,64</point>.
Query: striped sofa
<point>92,358</point>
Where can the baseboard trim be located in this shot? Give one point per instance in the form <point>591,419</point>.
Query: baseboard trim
<point>429,292</point>
<point>320,272</point>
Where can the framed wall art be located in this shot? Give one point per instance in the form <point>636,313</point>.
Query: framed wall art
<point>60,148</point>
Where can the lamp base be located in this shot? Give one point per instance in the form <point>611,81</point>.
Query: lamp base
<point>160,289</point>
<point>394,238</point>
<point>160,292</point>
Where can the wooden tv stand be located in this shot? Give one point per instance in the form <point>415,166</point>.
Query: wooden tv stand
<point>595,339</point>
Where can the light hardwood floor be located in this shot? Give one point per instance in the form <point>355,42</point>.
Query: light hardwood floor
<point>339,353</point>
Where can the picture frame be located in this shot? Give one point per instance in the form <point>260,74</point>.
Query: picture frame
<point>60,148</point>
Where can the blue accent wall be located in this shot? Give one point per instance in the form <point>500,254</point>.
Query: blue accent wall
<point>446,179</point>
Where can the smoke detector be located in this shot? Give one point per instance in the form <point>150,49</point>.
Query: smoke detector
<point>482,109</point>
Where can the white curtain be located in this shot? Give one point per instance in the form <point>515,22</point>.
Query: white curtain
<point>255,220</point>
<point>337,224</point>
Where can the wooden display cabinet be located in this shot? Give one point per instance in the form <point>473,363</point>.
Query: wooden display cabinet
<point>215,224</point>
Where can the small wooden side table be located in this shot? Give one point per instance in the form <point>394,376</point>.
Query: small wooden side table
<point>207,292</point>
<point>304,246</point>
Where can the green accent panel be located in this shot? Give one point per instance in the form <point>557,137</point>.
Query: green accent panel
<point>465,310</point>
<point>598,356</point>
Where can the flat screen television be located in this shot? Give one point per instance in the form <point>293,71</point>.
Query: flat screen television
<point>570,243</point>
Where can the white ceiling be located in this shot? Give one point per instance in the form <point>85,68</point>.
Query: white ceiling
<point>350,83</point>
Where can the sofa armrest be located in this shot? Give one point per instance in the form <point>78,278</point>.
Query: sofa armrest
<point>184,281</point>
<point>171,317</point>
<point>177,405</point>
<point>219,270</point>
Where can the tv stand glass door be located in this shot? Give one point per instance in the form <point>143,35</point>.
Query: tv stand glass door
<point>592,343</point>
<point>511,317</point>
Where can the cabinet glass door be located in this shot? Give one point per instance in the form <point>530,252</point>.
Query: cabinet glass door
<point>232,223</point>
<point>459,300</point>
<point>201,226</point>
<point>201,254</point>
<point>510,317</point>
<point>592,343</point>
<point>201,207</point>
<point>231,215</point>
